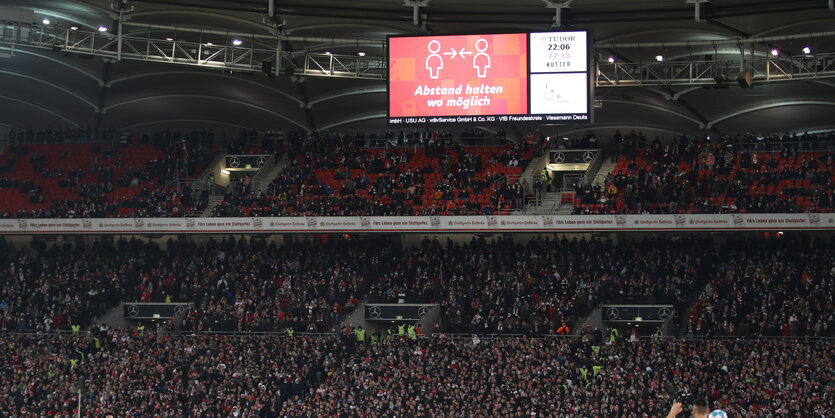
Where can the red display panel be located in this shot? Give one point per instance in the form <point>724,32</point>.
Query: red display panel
<point>460,75</point>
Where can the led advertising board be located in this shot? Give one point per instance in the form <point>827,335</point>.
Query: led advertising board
<point>538,77</point>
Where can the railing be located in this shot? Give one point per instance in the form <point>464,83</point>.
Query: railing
<point>773,146</point>
<point>696,72</point>
<point>595,179</point>
<point>573,198</point>
<point>570,181</point>
<point>154,43</point>
<point>260,177</point>
<point>593,167</point>
<point>180,183</point>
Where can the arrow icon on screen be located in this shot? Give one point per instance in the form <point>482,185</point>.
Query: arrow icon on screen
<point>453,53</point>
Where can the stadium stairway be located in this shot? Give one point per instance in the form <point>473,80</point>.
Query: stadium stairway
<point>214,166</point>
<point>594,320</point>
<point>684,319</point>
<point>549,206</point>
<point>530,174</point>
<point>607,167</point>
<point>262,182</point>
<point>214,200</point>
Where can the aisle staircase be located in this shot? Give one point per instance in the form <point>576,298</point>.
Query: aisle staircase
<point>601,174</point>
<point>214,200</point>
<point>263,182</point>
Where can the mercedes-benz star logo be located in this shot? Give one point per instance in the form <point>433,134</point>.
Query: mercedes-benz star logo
<point>179,309</point>
<point>664,312</point>
<point>559,157</point>
<point>374,312</point>
<point>234,162</point>
<point>588,156</point>
<point>612,313</point>
<point>422,311</point>
<point>261,161</point>
<point>133,310</point>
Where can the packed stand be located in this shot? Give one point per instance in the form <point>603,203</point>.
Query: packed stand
<point>741,174</point>
<point>481,287</point>
<point>533,288</point>
<point>48,288</point>
<point>132,373</point>
<point>135,373</point>
<point>583,377</point>
<point>250,285</point>
<point>337,175</point>
<point>134,177</point>
<point>782,286</point>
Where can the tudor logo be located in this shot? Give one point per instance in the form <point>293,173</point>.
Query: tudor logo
<point>260,161</point>
<point>234,162</point>
<point>612,313</point>
<point>133,310</point>
<point>559,157</point>
<point>665,312</point>
<point>422,311</point>
<point>374,311</point>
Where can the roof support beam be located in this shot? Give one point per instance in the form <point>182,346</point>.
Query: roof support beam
<point>41,108</point>
<point>345,94</point>
<point>52,85</point>
<point>698,8</point>
<point>664,109</point>
<point>54,61</point>
<point>416,5</point>
<point>206,74</point>
<point>683,92</point>
<point>746,110</point>
<point>352,120</point>
<point>191,13</point>
<point>189,121</point>
<point>558,5</point>
<point>205,97</point>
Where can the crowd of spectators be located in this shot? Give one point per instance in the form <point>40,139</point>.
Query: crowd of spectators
<point>501,286</point>
<point>336,175</point>
<point>134,373</point>
<point>742,174</point>
<point>133,176</point>
<point>583,377</point>
<point>780,287</point>
<point>59,136</point>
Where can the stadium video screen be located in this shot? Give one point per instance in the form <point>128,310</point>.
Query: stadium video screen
<point>540,77</point>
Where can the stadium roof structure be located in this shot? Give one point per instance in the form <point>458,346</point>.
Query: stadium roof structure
<point>141,64</point>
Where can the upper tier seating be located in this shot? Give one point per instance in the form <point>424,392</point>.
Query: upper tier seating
<point>341,179</point>
<point>137,177</point>
<point>717,179</point>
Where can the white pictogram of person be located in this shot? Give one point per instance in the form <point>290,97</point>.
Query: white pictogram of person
<point>434,62</point>
<point>481,61</point>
